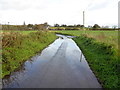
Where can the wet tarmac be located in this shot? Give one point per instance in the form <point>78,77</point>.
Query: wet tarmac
<point>60,65</point>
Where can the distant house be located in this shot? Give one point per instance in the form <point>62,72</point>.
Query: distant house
<point>30,28</point>
<point>47,27</point>
<point>42,26</point>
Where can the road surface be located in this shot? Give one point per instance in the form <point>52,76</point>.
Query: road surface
<point>58,66</point>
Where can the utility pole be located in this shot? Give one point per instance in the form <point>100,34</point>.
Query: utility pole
<point>118,26</point>
<point>84,18</point>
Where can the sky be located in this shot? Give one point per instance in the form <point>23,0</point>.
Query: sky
<point>70,12</point>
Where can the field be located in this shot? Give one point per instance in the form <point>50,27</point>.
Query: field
<point>17,47</point>
<point>108,37</point>
<point>101,51</point>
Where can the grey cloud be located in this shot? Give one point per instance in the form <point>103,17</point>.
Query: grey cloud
<point>13,5</point>
<point>20,4</point>
<point>98,6</point>
<point>26,4</point>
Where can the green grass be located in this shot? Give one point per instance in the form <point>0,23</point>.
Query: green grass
<point>23,32</point>
<point>101,51</point>
<point>102,59</point>
<point>108,37</point>
<point>17,48</point>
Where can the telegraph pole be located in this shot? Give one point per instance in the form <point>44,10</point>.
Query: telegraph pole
<point>84,18</point>
<point>119,26</point>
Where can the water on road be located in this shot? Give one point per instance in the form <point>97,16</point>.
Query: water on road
<point>60,65</point>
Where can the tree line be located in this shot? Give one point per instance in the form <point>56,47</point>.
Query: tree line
<point>45,26</point>
<point>25,27</point>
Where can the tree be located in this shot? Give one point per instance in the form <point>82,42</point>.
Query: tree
<point>35,27</point>
<point>82,26</point>
<point>30,25</point>
<point>56,25</point>
<point>78,25</point>
<point>63,25</point>
<point>46,24</point>
<point>96,26</point>
<point>70,25</point>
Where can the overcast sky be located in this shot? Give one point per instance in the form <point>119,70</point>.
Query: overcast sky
<point>102,12</point>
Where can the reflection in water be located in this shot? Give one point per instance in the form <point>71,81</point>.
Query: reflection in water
<point>81,57</point>
<point>13,77</point>
<point>25,69</point>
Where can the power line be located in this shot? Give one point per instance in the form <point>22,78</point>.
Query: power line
<point>89,4</point>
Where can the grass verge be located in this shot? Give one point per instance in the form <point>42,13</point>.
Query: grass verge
<point>103,60</point>
<point>17,48</point>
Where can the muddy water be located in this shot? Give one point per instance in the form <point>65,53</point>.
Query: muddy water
<point>60,65</point>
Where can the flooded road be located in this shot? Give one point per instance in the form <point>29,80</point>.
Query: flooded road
<point>60,65</point>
